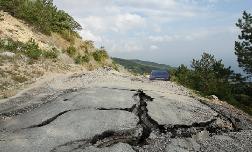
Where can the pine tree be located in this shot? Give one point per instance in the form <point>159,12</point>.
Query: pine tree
<point>243,47</point>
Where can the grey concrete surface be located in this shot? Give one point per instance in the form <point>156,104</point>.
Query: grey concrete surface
<point>82,122</point>
<point>84,99</point>
<point>184,110</point>
<point>99,112</point>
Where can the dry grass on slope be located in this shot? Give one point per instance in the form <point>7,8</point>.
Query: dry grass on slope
<point>18,68</point>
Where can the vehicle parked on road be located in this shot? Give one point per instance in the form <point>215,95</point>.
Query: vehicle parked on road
<point>159,75</point>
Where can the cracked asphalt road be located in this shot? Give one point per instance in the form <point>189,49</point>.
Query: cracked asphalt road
<point>105,111</point>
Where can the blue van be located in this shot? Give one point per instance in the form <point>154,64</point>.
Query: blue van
<point>159,75</point>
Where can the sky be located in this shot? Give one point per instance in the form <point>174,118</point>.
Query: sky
<point>172,32</point>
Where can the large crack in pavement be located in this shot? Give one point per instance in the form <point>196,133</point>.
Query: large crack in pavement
<point>44,100</point>
<point>50,120</point>
<point>140,136</point>
<point>239,121</point>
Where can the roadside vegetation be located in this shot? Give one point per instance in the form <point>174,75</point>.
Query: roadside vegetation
<point>209,76</point>
<point>100,55</point>
<point>44,39</point>
<point>29,49</point>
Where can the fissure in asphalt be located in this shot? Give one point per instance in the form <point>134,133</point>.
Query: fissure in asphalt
<point>138,137</point>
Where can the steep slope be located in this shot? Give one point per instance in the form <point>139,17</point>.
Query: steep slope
<point>27,54</point>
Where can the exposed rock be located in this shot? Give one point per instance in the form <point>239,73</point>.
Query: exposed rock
<point>213,97</point>
<point>8,54</point>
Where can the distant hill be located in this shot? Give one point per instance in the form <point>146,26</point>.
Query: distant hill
<point>141,67</point>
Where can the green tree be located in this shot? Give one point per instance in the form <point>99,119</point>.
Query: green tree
<point>243,47</point>
<point>211,76</point>
<point>183,75</point>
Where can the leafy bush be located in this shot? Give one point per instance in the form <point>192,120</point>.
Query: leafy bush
<point>243,47</point>
<point>209,76</point>
<point>100,55</point>
<point>10,45</point>
<point>183,75</point>
<point>71,51</point>
<point>32,49</point>
<point>82,59</point>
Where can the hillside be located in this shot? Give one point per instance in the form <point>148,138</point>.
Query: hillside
<point>60,93</point>
<point>28,52</point>
<point>141,67</point>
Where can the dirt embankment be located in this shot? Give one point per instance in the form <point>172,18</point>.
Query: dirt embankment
<point>17,70</point>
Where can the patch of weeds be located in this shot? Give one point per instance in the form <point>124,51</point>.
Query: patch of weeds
<point>71,51</point>
<point>82,59</point>
<point>52,54</point>
<point>10,45</point>
<point>32,49</point>
<point>29,49</point>
<point>100,55</point>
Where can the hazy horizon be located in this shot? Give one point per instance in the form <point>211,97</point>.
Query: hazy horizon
<point>170,32</point>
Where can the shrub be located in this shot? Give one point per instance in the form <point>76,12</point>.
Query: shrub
<point>32,49</point>
<point>100,55</point>
<point>85,58</point>
<point>183,75</point>
<point>82,59</point>
<point>10,45</point>
<point>71,51</point>
<point>208,76</point>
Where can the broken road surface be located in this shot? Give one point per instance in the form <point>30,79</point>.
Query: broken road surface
<point>104,111</point>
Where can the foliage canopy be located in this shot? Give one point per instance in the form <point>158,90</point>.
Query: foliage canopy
<point>243,47</point>
<point>43,14</point>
